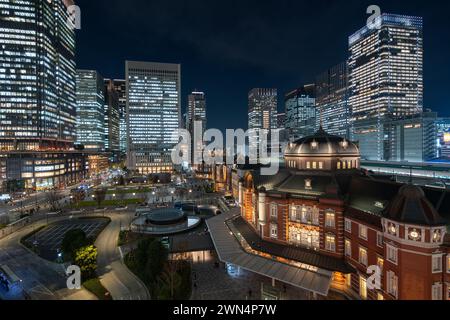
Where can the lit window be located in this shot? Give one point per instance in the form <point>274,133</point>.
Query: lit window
<point>308,165</point>
<point>363,287</point>
<point>448,264</point>
<point>363,232</point>
<point>274,211</point>
<point>363,256</point>
<point>437,263</point>
<point>308,184</point>
<point>392,254</point>
<point>380,263</point>
<point>392,283</point>
<point>314,165</point>
<point>339,165</point>
<point>330,242</point>
<point>348,225</point>
<point>274,231</point>
<point>321,165</point>
<point>330,220</point>
<point>436,291</point>
<point>348,248</point>
<point>380,241</point>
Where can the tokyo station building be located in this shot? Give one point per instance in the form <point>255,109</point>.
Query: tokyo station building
<point>322,212</point>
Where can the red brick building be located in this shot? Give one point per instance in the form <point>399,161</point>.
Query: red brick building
<point>322,211</point>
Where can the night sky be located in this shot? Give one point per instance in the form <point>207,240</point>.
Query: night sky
<point>228,47</point>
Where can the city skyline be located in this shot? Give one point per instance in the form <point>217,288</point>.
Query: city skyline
<point>239,75</point>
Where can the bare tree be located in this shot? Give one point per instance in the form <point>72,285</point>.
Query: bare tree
<point>53,197</point>
<point>100,195</point>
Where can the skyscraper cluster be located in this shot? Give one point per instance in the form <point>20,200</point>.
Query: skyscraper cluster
<point>374,97</point>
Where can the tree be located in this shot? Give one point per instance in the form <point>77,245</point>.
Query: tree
<point>156,258</point>
<point>73,240</point>
<point>86,259</point>
<point>53,197</point>
<point>100,195</point>
<point>121,181</point>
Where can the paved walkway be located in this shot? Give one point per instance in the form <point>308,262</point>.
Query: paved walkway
<point>235,284</point>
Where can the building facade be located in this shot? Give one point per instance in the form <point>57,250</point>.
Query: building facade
<point>153,115</point>
<point>37,95</point>
<point>301,115</point>
<point>196,115</point>
<point>332,101</point>
<point>443,137</point>
<point>120,87</point>
<point>262,116</point>
<point>112,119</point>
<point>322,213</point>
<point>90,110</point>
<point>385,78</point>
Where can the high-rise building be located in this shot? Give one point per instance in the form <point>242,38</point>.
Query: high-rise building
<point>37,72</point>
<point>196,113</point>
<point>90,110</point>
<point>112,118</point>
<point>153,115</point>
<point>443,137</point>
<point>300,105</point>
<point>120,86</point>
<point>37,95</point>
<point>332,101</point>
<point>281,120</point>
<point>385,78</point>
<point>262,115</point>
<point>412,138</point>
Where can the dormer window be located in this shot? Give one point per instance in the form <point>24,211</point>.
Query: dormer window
<point>392,229</point>
<point>308,184</point>
<point>344,144</point>
<point>314,145</point>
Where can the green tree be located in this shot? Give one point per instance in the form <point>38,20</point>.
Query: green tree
<point>86,259</point>
<point>156,258</point>
<point>73,240</point>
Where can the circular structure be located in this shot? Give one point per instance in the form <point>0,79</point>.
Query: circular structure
<point>165,221</point>
<point>165,216</point>
<point>322,151</point>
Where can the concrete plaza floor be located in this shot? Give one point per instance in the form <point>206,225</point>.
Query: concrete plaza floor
<point>221,283</point>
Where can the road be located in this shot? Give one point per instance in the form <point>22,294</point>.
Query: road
<point>41,279</point>
<point>114,275</point>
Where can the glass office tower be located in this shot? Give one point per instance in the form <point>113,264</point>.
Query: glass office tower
<point>120,87</point>
<point>153,115</point>
<point>300,105</point>
<point>332,101</point>
<point>37,95</point>
<point>196,112</point>
<point>262,116</point>
<point>112,119</point>
<point>385,78</point>
<point>37,76</point>
<point>90,110</point>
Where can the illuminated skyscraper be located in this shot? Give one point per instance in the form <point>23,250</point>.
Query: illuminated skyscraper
<point>37,76</point>
<point>112,119</point>
<point>120,87</point>
<point>196,112</point>
<point>153,114</point>
<point>385,78</point>
<point>300,107</point>
<point>262,115</point>
<point>90,110</point>
<point>332,101</point>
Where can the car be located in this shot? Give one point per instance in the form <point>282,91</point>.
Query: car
<point>121,208</point>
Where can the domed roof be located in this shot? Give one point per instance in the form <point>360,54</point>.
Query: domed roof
<point>322,143</point>
<point>411,206</point>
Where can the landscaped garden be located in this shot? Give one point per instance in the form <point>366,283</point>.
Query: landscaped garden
<point>165,279</point>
